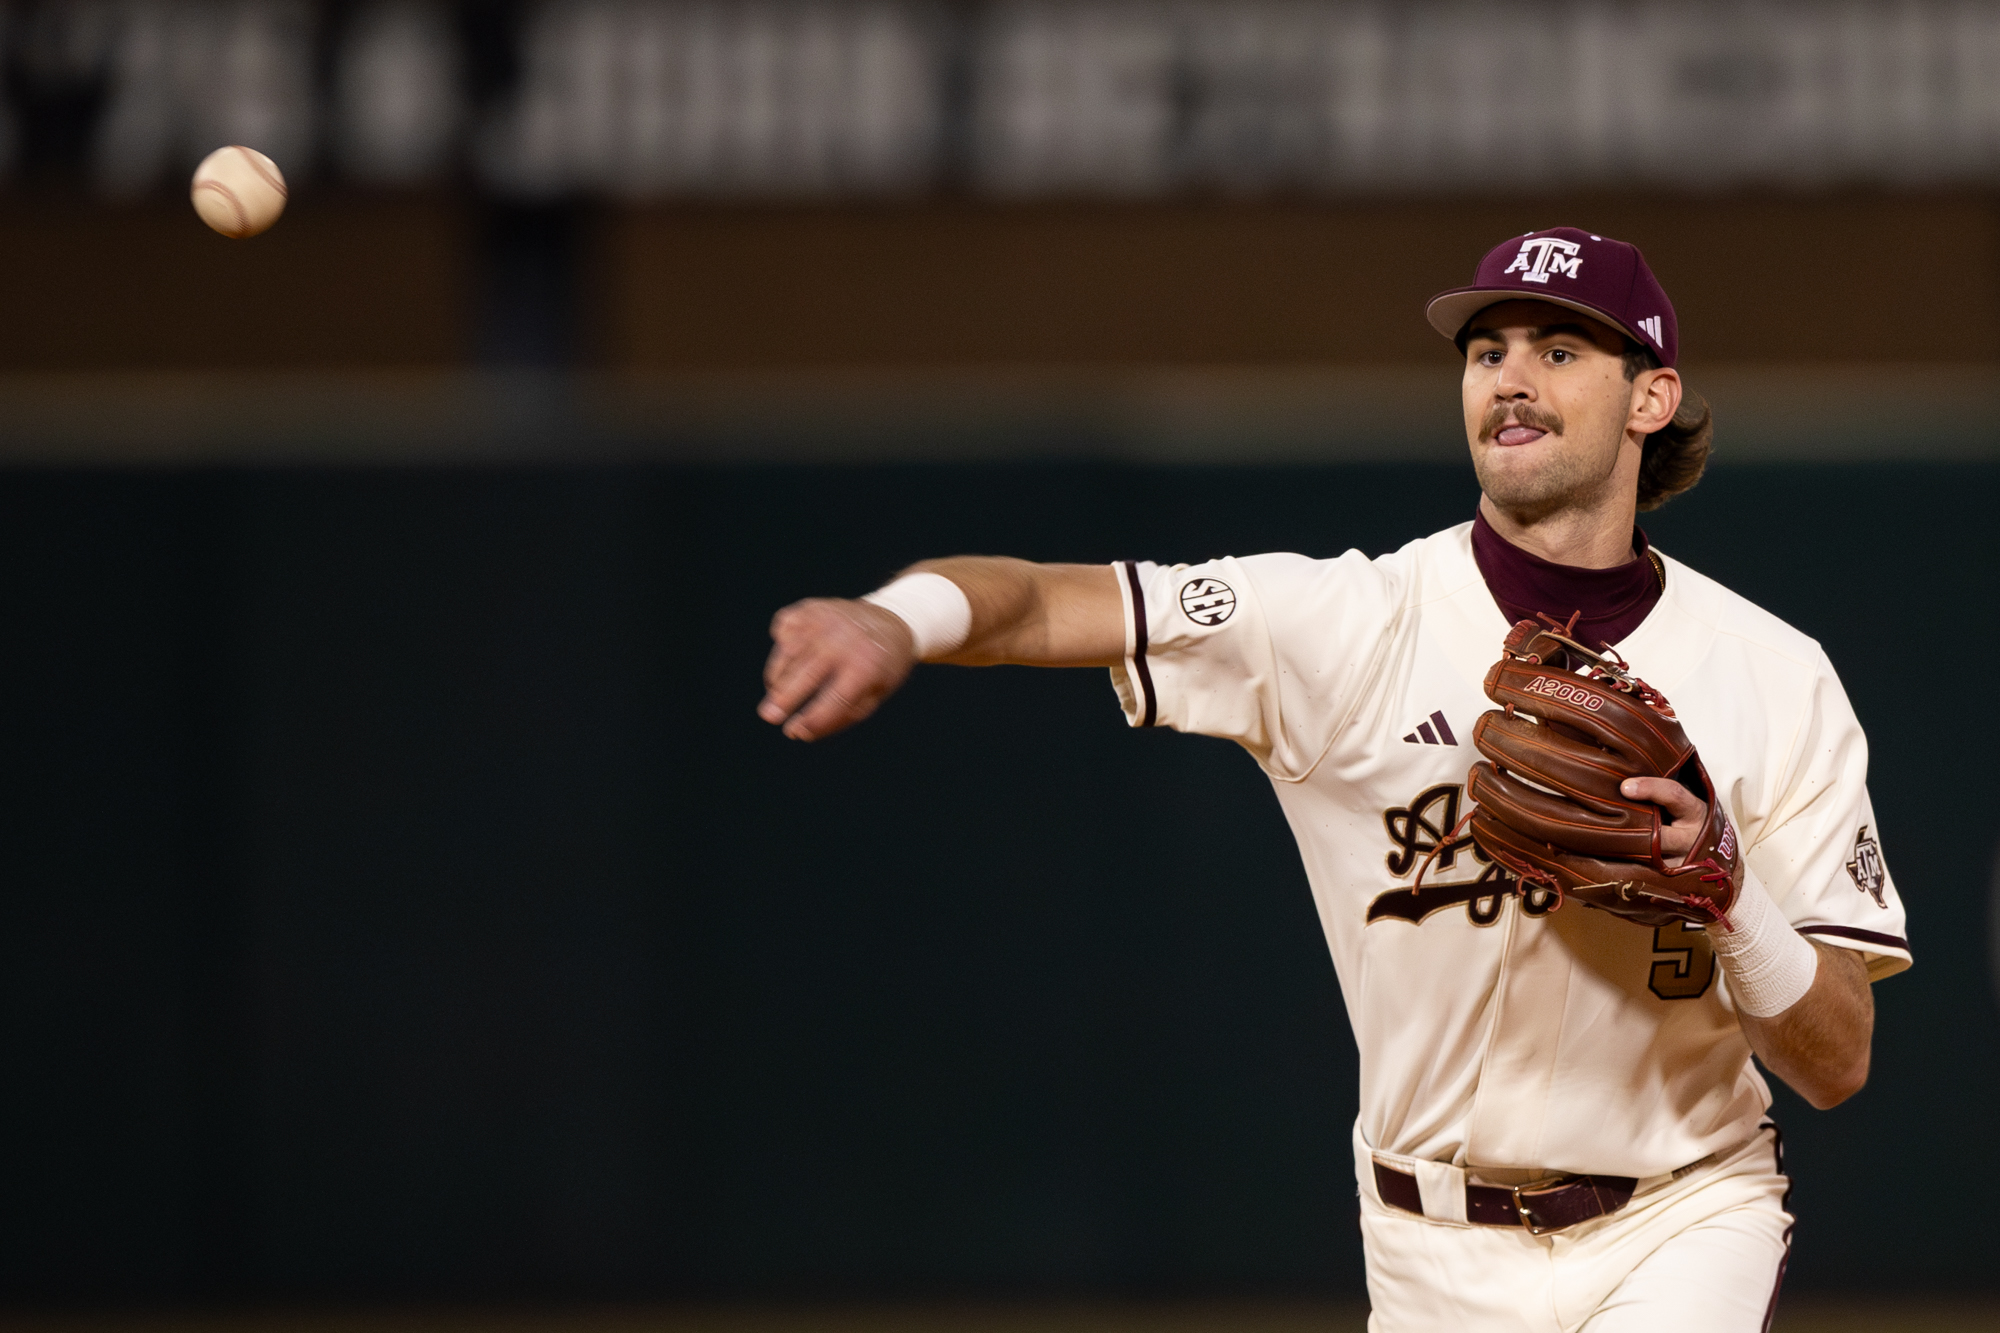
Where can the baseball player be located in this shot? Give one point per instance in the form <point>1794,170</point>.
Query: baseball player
<point>1561,1125</point>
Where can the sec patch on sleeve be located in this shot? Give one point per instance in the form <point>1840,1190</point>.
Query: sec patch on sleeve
<point>1208,601</point>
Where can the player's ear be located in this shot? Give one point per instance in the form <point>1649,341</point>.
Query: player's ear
<point>1656,396</point>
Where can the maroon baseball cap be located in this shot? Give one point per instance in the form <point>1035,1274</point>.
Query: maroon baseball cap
<point>1565,266</point>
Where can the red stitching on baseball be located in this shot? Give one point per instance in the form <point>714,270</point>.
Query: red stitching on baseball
<point>242,218</point>
<point>256,161</point>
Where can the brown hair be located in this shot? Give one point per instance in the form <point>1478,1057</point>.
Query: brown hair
<point>1675,456</point>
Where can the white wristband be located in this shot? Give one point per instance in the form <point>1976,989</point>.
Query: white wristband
<point>933,607</point>
<point>1770,966</point>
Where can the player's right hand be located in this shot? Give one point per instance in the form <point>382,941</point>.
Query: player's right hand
<point>832,663</point>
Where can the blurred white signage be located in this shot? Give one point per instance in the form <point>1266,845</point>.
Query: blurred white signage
<point>830,98</point>
<point>641,98</point>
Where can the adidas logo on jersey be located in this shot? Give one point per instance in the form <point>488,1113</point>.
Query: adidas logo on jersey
<point>1434,732</point>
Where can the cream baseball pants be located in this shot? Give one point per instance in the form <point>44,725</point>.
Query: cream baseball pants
<point>1704,1251</point>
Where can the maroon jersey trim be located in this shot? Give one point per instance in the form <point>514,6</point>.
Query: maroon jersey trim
<point>1856,933</point>
<point>1149,709</point>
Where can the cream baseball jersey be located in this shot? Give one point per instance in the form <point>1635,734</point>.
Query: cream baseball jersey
<point>1496,1027</point>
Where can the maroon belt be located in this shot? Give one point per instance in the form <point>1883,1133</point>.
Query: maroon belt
<point>1541,1208</point>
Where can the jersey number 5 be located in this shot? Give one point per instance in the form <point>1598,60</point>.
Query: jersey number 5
<point>1683,962</point>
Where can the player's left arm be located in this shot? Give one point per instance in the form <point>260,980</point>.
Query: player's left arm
<point>1820,1044</point>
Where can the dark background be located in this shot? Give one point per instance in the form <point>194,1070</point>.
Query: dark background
<point>404,902</point>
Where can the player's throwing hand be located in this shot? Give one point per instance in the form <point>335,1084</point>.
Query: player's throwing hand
<point>832,663</point>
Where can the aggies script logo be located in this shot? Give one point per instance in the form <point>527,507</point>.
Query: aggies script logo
<point>1424,826</point>
<point>1682,963</point>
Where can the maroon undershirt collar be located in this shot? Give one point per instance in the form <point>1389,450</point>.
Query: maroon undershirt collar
<point>1613,601</point>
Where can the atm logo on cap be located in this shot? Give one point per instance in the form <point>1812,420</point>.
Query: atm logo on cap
<point>1542,256</point>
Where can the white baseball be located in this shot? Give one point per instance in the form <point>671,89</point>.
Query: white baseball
<point>238,191</point>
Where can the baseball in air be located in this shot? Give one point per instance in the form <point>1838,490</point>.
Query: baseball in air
<point>238,191</point>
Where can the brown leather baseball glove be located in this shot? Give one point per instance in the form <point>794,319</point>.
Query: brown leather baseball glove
<point>1572,725</point>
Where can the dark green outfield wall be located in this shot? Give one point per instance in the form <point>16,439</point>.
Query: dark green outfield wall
<point>402,900</point>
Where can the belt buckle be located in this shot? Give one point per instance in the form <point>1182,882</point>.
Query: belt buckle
<point>1527,1217</point>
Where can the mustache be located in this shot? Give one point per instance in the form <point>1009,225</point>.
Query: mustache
<point>1502,415</point>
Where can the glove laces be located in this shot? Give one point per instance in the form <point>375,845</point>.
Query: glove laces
<point>1530,874</point>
